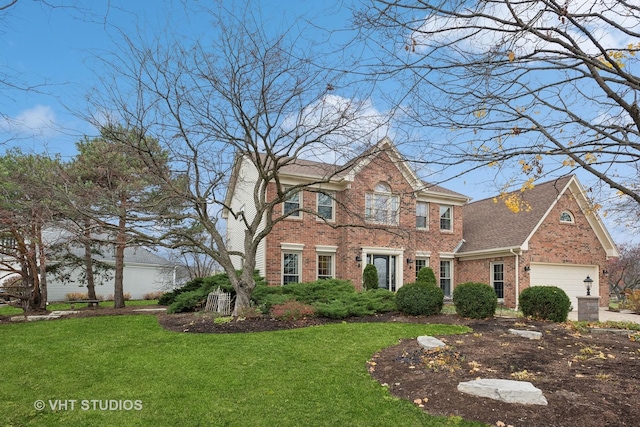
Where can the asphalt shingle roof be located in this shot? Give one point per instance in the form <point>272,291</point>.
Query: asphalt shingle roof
<point>489,224</point>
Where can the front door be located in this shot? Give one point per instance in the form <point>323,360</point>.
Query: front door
<point>386,267</point>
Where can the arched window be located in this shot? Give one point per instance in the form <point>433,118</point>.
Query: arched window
<point>566,217</point>
<point>382,206</point>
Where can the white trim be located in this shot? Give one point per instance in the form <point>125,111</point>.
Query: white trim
<point>326,248</point>
<point>423,254</point>
<point>292,246</point>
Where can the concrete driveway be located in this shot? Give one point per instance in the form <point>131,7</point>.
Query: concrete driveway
<point>605,314</point>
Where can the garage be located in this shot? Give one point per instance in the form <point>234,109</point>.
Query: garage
<point>568,277</point>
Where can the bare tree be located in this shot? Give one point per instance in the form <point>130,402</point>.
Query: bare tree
<point>531,88</point>
<point>245,94</point>
<point>624,272</point>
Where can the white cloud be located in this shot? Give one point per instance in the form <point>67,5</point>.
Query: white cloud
<point>480,34</point>
<point>344,128</point>
<point>37,121</point>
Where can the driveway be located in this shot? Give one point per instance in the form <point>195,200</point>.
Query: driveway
<point>617,316</point>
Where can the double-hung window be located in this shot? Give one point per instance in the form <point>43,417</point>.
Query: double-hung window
<point>446,218</point>
<point>290,267</point>
<point>420,264</point>
<point>445,277</point>
<point>382,206</point>
<point>325,266</point>
<point>325,206</point>
<point>497,278</point>
<point>292,204</point>
<point>422,215</point>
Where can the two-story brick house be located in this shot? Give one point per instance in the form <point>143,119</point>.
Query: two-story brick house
<point>376,210</point>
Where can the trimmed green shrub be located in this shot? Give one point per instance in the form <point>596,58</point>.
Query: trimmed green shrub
<point>545,303</point>
<point>475,300</point>
<point>419,299</point>
<point>370,277</point>
<point>358,304</point>
<point>333,298</point>
<point>426,276</point>
<point>187,301</point>
<point>201,286</point>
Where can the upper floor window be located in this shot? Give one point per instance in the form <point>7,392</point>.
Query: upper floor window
<point>292,205</point>
<point>325,206</point>
<point>446,217</point>
<point>382,206</point>
<point>566,216</point>
<point>422,215</point>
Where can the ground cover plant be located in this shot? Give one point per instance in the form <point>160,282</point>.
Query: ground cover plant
<point>333,298</point>
<point>308,376</point>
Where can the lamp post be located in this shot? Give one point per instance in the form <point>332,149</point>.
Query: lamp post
<point>587,283</point>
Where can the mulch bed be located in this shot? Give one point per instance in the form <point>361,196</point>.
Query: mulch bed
<point>589,379</point>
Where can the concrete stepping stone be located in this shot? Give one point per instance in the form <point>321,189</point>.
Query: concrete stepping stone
<point>508,391</point>
<point>430,343</point>
<point>33,318</point>
<point>532,335</point>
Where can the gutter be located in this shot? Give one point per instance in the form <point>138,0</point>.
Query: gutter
<point>517,275</point>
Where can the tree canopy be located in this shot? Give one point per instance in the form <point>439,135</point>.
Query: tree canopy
<point>543,87</point>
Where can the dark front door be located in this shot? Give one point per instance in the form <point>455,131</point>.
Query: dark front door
<point>385,265</point>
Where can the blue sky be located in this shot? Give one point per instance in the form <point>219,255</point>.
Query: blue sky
<point>54,52</point>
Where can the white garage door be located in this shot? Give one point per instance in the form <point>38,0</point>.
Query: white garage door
<point>568,277</point>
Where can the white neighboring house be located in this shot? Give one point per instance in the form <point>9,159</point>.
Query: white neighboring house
<point>144,272</point>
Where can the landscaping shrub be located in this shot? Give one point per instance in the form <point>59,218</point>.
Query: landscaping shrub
<point>475,300</point>
<point>632,300</point>
<point>203,285</point>
<point>187,301</point>
<point>333,298</point>
<point>370,277</point>
<point>74,296</point>
<point>419,299</point>
<point>358,304</point>
<point>291,310</point>
<point>426,276</point>
<point>152,295</point>
<point>545,303</point>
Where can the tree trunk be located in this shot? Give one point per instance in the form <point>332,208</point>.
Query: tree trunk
<point>121,241</point>
<point>244,288</point>
<point>88,260</point>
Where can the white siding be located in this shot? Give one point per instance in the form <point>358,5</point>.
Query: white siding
<point>138,281</point>
<point>568,277</point>
<point>243,197</point>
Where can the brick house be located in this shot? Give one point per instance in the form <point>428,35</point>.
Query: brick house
<point>376,210</point>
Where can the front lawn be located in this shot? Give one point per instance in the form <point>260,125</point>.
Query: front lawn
<point>14,311</point>
<point>314,376</point>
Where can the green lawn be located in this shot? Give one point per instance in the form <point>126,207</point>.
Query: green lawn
<point>13,311</point>
<point>306,377</point>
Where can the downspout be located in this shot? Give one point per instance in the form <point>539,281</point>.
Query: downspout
<point>517,275</point>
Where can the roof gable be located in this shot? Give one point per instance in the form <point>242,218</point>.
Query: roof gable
<point>296,169</point>
<point>489,226</point>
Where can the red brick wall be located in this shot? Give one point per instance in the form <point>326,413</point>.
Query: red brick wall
<point>480,270</point>
<point>575,243</point>
<point>354,233</point>
<point>553,242</point>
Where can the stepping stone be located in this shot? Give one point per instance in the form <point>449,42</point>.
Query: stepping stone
<point>63,312</point>
<point>33,318</point>
<point>430,343</point>
<point>508,391</point>
<point>151,310</point>
<point>532,335</point>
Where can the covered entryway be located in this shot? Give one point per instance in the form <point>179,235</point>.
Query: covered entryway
<point>568,277</point>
